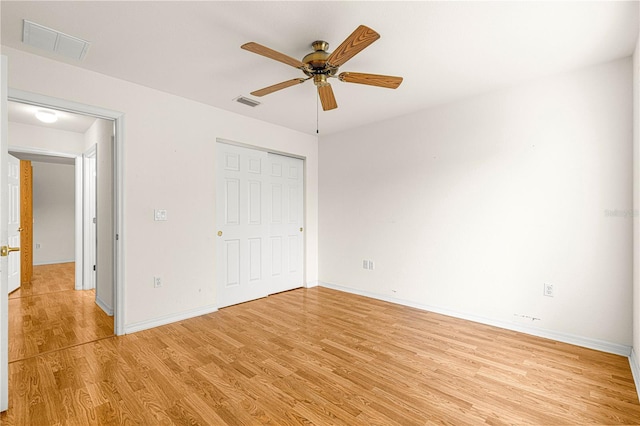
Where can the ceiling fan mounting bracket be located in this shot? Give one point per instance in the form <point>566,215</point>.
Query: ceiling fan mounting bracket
<point>315,63</point>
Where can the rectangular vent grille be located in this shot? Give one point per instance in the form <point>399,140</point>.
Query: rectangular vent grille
<point>45,38</point>
<point>247,101</point>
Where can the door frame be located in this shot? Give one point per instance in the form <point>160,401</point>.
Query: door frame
<point>88,214</point>
<point>118,183</point>
<point>77,164</point>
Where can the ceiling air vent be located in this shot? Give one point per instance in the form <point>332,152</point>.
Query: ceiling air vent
<point>45,38</point>
<point>247,101</point>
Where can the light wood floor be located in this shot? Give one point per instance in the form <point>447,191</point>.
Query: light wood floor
<point>318,356</point>
<point>48,314</point>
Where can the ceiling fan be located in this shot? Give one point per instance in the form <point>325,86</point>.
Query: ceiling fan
<point>321,65</point>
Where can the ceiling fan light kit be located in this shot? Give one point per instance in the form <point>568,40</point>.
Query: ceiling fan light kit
<point>320,65</point>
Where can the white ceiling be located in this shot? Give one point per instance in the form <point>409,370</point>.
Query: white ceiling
<point>26,114</point>
<point>444,50</point>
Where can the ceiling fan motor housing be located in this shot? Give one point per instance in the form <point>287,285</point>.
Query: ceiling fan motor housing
<point>315,63</point>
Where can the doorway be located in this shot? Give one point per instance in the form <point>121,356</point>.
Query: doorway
<point>65,191</point>
<point>61,246</point>
<point>109,160</point>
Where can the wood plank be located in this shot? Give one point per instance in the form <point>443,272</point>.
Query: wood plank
<point>318,356</point>
<point>48,314</point>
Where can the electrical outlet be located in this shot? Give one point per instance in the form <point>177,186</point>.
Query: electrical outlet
<point>372,265</point>
<point>38,245</point>
<point>365,264</point>
<point>157,282</point>
<point>548,290</point>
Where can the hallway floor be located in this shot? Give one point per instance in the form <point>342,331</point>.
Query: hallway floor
<point>48,314</point>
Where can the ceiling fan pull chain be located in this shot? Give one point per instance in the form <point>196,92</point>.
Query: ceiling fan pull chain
<point>317,111</point>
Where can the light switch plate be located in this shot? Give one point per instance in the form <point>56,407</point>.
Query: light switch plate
<point>160,214</point>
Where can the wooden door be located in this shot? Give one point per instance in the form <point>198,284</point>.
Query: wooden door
<point>26,221</point>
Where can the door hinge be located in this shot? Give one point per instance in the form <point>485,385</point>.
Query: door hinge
<point>95,220</point>
<point>117,237</point>
<point>94,267</point>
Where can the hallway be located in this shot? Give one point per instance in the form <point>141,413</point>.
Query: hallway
<point>49,314</point>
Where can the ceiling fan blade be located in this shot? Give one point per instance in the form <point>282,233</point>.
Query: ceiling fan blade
<point>327,98</point>
<point>278,86</point>
<point>388,81</point>
<point>354,44</point>
<point>272,54</point>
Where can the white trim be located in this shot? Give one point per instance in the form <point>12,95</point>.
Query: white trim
<point>311,284</point>
<point>106,308</point>
<point>42,151</point>
<point>599,345</point>
<point>119,225</point>
<point>260,148</point>
<point>88,213</point>
<point>79,219</point>
<point>118,176</point>
<point>61,104</point>
<point>55,262</point>
<point>634,363</point>
<point>168,319</point>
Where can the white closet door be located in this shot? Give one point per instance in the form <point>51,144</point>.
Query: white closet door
<point>286,225</point>
<point>242,231</point>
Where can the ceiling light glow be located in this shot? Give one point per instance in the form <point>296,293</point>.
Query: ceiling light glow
<point>46,116</point>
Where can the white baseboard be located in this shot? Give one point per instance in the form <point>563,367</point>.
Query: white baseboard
<point>634,362</point>
<point>586,342</point>
<point>53,262</point>
<point>108,309</point>
<point>312,284</point>
<point>168,319</point>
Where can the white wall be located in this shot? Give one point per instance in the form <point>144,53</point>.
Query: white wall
<point>60,141</point>
<point>469,208</point>
<point>53,213</point>
<point>168,163</point>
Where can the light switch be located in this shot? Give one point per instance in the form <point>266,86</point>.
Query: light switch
<point>160,214</point>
